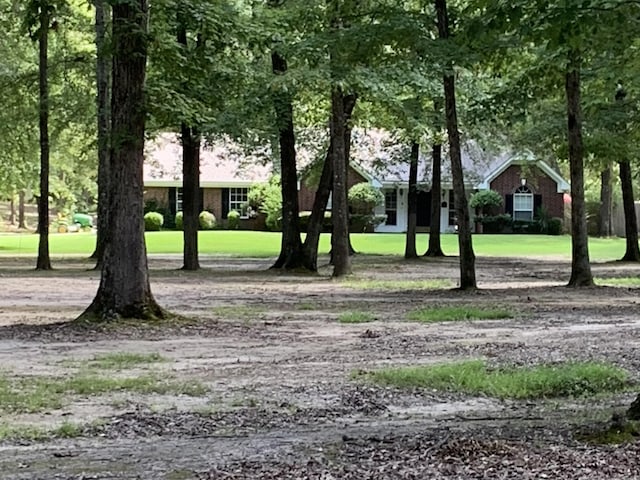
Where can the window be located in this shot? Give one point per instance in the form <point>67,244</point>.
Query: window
<point>391,207</point>
<point>238,200</point>
<point>178,199</point>
<point>523,204</point>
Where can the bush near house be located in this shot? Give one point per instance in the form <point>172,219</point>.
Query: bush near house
<point>233,220</point>
<point>364,198</point>
<point>207,220</point>
<point>153,221</point>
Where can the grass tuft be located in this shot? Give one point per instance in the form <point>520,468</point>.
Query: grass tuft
<point>238,311</point>
<point>453,314</point>
<point>434,284</point>
<point>619,281</point>
<point>543,381</point>
<point>355,317</point>
<point>122,360</point>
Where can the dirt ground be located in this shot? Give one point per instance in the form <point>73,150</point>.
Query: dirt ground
<point>282,401</point>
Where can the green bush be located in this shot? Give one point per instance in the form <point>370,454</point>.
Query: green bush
<point>179,221</point>
<point>153,221</point>
<point>495,223</point>
<point>485,200</point>
<point>266,198</point>
<point>364,198</point>
<point>233,220</point>
<point>207,220</point>
<point>359,223</point>
<point>555,226</point>
<point>304,221</point>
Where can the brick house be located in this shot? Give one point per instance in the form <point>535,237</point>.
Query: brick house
<point>226,174</point>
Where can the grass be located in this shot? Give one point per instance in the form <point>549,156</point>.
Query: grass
<point>238,311</point>
<point>473,377</point>
<point>355,317</point>
<point>122,360</point>
<point>619,282</point>
<point>404,285</point>
<point>33,433</point>
<point>613,434</point>
<point>267,244</point>
<point>36,394</point>
<point>453,314</point>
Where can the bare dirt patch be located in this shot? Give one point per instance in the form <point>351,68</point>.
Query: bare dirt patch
<point>278,367</point>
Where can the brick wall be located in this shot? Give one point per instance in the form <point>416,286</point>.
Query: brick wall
<point>212,200</point>
<point>159,194</point>
<point>306,195</point>
<point>537,181</point>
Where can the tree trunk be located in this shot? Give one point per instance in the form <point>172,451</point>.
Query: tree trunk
<point>435,247</point>
<point>339,210</point>
<point>467,257</point>
<point>580,266</point>
<point>347,158</point>
<point>633,413</point>
<point>632,253</point>
<point>291,254</point>
<point>43,262</point>
<point>103,61</point>
<point>21,218</point>
<point>12,209</point>
<point>190,139</point>
<point>325,185</point>
<point>124,289</point>
<point>606,202</point>
<point>412,216</point>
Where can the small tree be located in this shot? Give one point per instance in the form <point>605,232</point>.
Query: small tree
<point>364,198</point>
<point>485,201</point>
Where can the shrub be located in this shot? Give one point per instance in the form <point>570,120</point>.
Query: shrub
<point>153,221</point>
<point>495,223</point>
<point>179,221</point>
<point>207,220</point>
<point>485,200</point>
<point>365,223</point>
<point>555,226</point>
<point>363,198</point>
<point>304,221</point>
<point>266,198</point>
<point>233,220</point>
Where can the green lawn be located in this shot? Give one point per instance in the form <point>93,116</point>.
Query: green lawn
<point>267,244</point>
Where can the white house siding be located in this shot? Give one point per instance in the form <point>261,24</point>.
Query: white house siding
<point>402,212</point>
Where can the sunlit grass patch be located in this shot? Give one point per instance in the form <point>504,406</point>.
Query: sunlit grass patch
<point>356,317</point>
<point>452,314</point>
<point>431,284</point>
<point>619,281</point>
<point>34,433</point>
<point>238,311</point>
<point>122,360</point>
<point>474,377</point>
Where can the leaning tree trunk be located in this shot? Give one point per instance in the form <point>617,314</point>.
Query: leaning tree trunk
<point>291,252</point>
<point>190,139</point>
<point>467,257</point>
<point>190,196</point>
<point>124,289</point>
<point>435,247</point>
<point>103,61</point>
<point>606,202</point>
<point>412,216</point>
<point>21,217</point>
<point>580,266</point>
<point>339,210</point>
<point>632,253</point>
<point>43,262</point>
<point>316,220</point>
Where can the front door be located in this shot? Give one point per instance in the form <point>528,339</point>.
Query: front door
<point>424,209</point>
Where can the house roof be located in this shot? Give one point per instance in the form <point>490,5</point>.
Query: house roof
<point>222,164</point>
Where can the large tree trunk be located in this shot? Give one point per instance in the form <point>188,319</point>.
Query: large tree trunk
<point>291,253</point>
<point>632,253</point>
<point>190,139</point>
<point>12,209</point>
<point>43,262</point>
<point>124,289</point>
<point>412,216</point>
<point>103,61</point>
<point>21,217</point>
<point>467,257</point>
<point>606,202</point>
<point>435,247</point>
<point>316,220</point>
<point>339,210</point>
<point>580,266</point>
<point>190,195</point>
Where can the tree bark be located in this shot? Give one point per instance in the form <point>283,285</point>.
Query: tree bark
<point>435,247</point>
<point>339,209</point>
<point>124,290</point>
<point>412,216</point>
<point>291,252</point>
<point>21,217</point>
<point>103,61</point>
<point>43,261</point>
<point>606,202</point>
<point>325,185</point>
<point>580,267</point>
<point>632,253</point>
<point>190,139</point>
<point>467,257</point>
<point>12,209</point>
